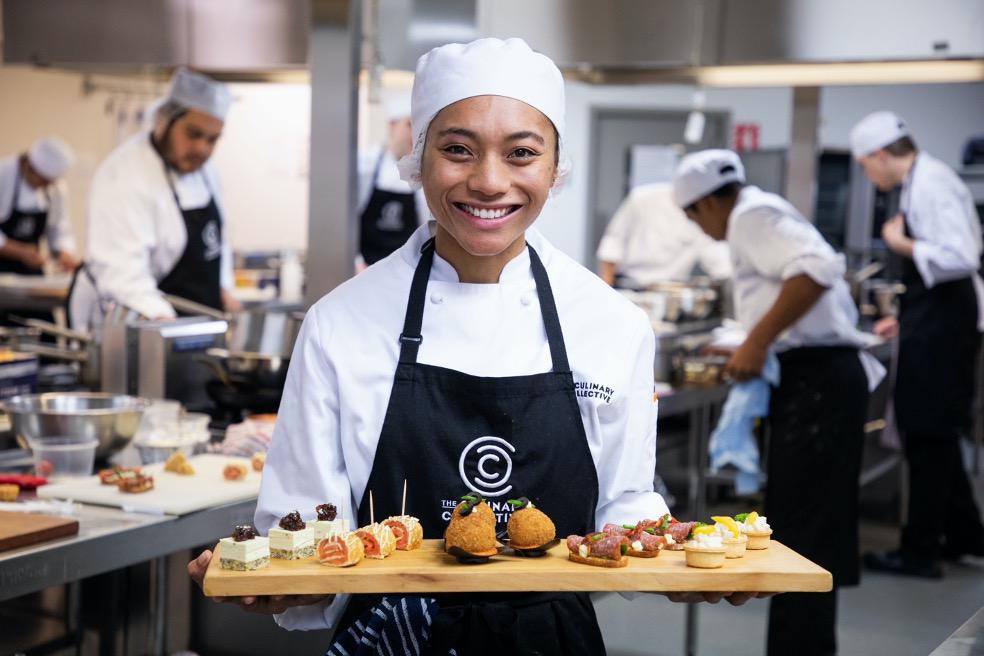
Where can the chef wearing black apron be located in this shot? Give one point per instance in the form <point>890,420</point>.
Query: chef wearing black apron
<point>937,235</point>
<point>23,226</point>
<point>387,221</point>
<point>536,419</point>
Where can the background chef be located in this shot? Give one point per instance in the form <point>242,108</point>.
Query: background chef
<point>365,410</point>
<point>937,234</point>
<point>155,220</point>
<point>650,240</point>
<point>791,297</point>
<point>388,209</point>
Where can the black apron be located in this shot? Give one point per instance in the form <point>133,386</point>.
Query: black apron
<point>446,433</point>
<point>938,341</point>
<point>387,221</point>
<point>196,275</point>
<point>27,227</point>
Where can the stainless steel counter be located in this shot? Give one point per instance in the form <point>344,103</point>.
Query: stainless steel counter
<point>968,640</point>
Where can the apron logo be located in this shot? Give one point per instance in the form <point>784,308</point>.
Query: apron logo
<point>25,228</point>
<point>485,466</point>
<point>391,217</point>
<point>586,390</point>
<point>211,240</point>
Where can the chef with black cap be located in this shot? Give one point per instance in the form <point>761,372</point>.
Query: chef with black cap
<point>937,234</point>
<point>155,213</point>
<point>792,299</point>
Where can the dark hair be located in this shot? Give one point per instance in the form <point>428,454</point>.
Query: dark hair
<point>901,147</point>
<point>728,190</point>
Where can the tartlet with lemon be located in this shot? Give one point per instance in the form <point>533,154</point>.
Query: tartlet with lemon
<point>705,549</point>
<point>731,536</point>
<point>756,528</point>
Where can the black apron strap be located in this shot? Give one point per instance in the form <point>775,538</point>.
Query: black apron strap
<point>411,338</point>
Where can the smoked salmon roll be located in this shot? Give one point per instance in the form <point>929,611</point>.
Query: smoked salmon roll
<point>378,540</point>
<point>340,549</point>
<point>408,531</point>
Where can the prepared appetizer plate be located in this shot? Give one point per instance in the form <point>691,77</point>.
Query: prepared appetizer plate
<point>173,494</point>
<point>429,569</point>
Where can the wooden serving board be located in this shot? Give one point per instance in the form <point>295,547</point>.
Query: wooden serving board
<point>18,529</point>
<point>173,494</point>
<point>429,569</point>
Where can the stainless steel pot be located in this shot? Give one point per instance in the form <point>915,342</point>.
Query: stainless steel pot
<point>247,370</point>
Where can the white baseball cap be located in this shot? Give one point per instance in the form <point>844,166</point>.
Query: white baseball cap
<point>196,91</point>
<point>486,67</point>
<point>698,174</point>
<point>875,131</point>
<point>50,157</point>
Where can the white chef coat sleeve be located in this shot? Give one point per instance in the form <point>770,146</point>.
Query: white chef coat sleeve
<point>122,240</point>
<point>949,248</point>
<point>781,247</point>
<point>61,237</point>
<point>627,466</point>
<point>305,465</point>
<point>611,248</point>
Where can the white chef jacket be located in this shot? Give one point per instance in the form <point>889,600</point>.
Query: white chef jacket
<point>388,180</point>
<point>58,229</point>
<point>772,242</point>
<point>942,218</point>
<point>345,357</point>
<point>651,240</point>
<point>136,232</point>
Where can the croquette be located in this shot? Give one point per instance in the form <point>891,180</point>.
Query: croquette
<point>529,527</point>
<point>472,528</point>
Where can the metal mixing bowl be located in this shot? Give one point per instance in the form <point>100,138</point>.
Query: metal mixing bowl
<point>112,419</point>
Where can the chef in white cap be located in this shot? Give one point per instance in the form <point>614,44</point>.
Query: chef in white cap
<point>34,205</point>
<point>388,209</point>
<point>477,358</point>
<point>792,299</point>
<point>937,235</point>
<point>155,221</point>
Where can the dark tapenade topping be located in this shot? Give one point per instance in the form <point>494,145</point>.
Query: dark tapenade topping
<point>326,512</point>
<point>292,522</point>
<point>243,533</point>
<point>520,503</point>
<point>471,500</point>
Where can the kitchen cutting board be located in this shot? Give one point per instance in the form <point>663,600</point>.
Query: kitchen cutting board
<point>18,529</point>
<point>173,494</point>
<point>429,569</point>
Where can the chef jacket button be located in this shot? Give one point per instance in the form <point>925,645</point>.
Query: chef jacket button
<point>437,298</point>
<point>526,299</point>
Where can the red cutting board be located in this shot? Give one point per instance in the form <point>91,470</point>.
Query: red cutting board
<point>18,529</point>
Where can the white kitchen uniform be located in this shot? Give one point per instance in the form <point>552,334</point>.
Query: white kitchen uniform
<point>136,231</point>
<point>941,217</point>
<point>388,179</point>
<point>772,242</point>
<point>54,200</point>
<point>342,370</point>
<point>651,240</point>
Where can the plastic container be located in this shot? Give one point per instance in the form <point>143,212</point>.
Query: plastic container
<point>291,276</point>
<point>63,458</point>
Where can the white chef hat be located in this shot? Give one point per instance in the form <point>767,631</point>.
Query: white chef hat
<point>698,174</point>
<point>877,130</point>
<point>398,106</point>
<point>486,67</point>
<point>50,157</point>
<point>196,91</point>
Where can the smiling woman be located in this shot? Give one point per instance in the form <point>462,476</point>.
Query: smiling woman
<point>465,354</point>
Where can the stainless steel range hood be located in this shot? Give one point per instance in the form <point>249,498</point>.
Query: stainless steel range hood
<point>123,35</point>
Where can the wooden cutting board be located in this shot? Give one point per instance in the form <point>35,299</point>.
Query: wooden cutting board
<point>429,569</point>
<point>19,529</point>
<point>173,494</point>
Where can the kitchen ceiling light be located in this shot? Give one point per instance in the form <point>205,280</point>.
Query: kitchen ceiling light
<point>902,72</point>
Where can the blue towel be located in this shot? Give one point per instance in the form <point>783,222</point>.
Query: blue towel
<point>395,626</point>
<point>733,439</point>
